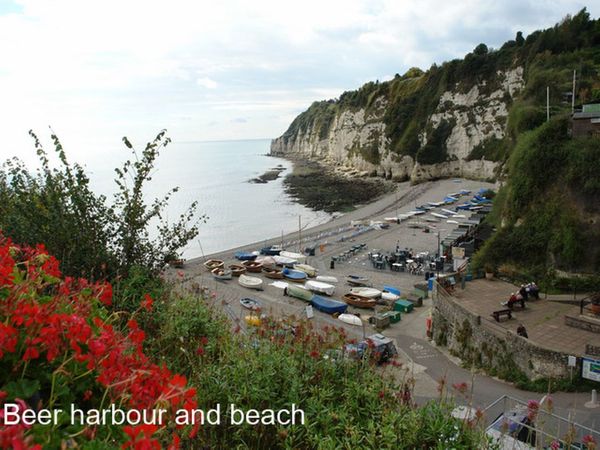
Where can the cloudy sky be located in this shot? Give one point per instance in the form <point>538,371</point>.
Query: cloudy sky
<point>98,70</point>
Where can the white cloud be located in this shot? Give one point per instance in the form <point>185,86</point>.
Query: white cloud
<point>206,83</point>
<point>97,70</point>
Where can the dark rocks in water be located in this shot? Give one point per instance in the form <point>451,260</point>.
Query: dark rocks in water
<point>316,187</point>
<point>269,175</point>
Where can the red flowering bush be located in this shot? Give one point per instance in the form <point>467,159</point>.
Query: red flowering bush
<point>59,349</point>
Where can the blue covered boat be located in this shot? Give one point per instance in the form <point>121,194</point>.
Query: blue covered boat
<point>270,251</point>
<point>391,289</point>
<point>328,305</point>
<point>245,256</point>
<point>294,275</point>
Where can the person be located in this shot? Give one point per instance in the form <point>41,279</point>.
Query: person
<point>523,292</point>
<point>512,299</point>
<point>521,331</point>
<point>534,290</point>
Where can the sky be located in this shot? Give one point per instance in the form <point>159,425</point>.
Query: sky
<point>95,71</point>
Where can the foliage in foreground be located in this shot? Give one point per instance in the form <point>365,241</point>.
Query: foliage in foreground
<point>92,238</point>
<point>347,403</point>
<point>59,347</point>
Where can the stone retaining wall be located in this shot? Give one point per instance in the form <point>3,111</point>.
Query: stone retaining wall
<point>485,344</point>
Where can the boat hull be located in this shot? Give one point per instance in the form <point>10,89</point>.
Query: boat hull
<point>328,305</point>
<point>250,282</point>
<point>360,302</point>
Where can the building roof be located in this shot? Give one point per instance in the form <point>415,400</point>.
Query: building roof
<point>586,115</point>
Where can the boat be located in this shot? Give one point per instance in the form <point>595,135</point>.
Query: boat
<point>221,273</point>
<point>253,266</point>
<point>284,260</point>
<point>431,219</point>
<point>356,280</point>
<point>438,215</point>
<point>447,211</point>
<point>272,273</point>
<point>326,279</point>
<point>250,282</point>
<point>299,257</point>
<point>271,251</point>
<point>391,289</point>
<point>266,261</point>
<point>417,212</point>
<point>367,292</point>
<point>453,222</point>
<point>213,264</point>
<point>350,319</point>
<point>359,302</point>
<point>298,292</point>
<point>245,256</point>
<point>250,303</point>
<point>319,286</point>
<point>389,297</point>
<point>328,305</point>
<point>237,269</point>
<point>308,270</point>
<point>294,275</point>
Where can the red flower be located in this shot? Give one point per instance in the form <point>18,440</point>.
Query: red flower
<point>147,302</point>
<point>461,387</point>
<point>381,394</point>
<point>200,351</point>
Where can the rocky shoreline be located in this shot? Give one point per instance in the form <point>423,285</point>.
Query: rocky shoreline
<point>318,187</point>
<point>269,175</point>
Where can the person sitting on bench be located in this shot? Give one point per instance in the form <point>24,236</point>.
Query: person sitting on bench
<point>523,292</point>
<point>515,298</point>
<point>533,290</point>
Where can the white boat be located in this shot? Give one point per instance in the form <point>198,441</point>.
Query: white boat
<point>388,296</point>
<point>441,216</point>
<point>447,211</point>
<point>284,260</point>
<point>250,282</point>
<point>436,203</point>
<point>417,212</point>
<point>221,273</point>
<point>350,319</point>
<point>459,216</point>
<point>308,270</point>
<point>299,257</point>
<point>319,286</point>
<point>326,279</point>
<point>266,261</point>
<point>366,292</point>
<point>454,222</point>
<point>431,219</point>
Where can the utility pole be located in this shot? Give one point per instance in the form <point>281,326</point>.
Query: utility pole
<point>299,234</point>
<point>547,103</point>
<point>573,95</point>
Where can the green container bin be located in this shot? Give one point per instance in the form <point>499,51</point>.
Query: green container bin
<point>403,306</point>
<point>394,316</point>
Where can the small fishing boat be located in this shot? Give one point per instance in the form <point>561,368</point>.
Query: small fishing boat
<point>326,279</point>
<point>272,273</point>
<point>388,297</point>
<point>391,289</point>
<point>250,303</point>
<point>350,319</point>
<point>447,211</point>
<point>250,282</point>
<point>245,256</point>
<point>417,212</point>
<point>237,270</point>
<point>294,275</point>
<point>328,305</point>
<point>298,292</point>
<point>319,286</point>
<point>266,261</point>
<point>213,264</point>
<point>367,292</point>
<point>439,216</point>
<point>284,261</point>
<point>221,273</point>
<point>356,280</point>
<point>253,266</point>
<point>359,302</point>
<point>271,251</point>
<point>308,270</point>
<point>299,257</point>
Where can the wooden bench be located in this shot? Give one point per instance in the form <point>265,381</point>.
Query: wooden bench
<point>502,312</point>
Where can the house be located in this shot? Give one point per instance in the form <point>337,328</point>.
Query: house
<point>587,121</point>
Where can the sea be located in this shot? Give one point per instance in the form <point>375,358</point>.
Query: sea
<point>216,175</point>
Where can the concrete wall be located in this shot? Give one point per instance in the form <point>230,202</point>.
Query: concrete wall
<point>483,343</point>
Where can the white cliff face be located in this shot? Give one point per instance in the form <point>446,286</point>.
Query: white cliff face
<point>476,116</point>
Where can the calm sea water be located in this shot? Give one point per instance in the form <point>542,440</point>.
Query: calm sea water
<point>216,174</point>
